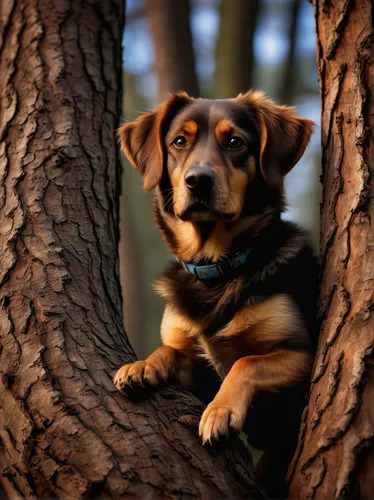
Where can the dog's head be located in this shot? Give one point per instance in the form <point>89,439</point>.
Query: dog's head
<point>216,160</point>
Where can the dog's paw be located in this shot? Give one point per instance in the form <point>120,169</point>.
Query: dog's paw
<point>219,421</point>
<point>140,374</point>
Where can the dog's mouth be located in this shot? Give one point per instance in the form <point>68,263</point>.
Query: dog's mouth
<point>201,210</point>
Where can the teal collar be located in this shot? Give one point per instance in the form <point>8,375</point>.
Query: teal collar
<point>220,270</point>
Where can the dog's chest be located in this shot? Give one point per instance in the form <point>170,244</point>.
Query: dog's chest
<point>222,354</point>
<point>224,325</point>
<point>235,338</point>
<point>255,328</point>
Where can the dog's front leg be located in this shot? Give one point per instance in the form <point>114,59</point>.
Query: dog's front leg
<point>171,362</point>
<point>166,364</point>
<point>248,375</point>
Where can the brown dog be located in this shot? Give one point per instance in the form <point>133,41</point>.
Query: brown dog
<point>241,296</point>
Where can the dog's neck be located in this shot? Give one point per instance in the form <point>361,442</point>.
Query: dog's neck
<point>209,242</point>
<point>206,229</point>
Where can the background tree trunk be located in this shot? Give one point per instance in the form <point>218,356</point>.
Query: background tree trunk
<point>288,85</point>
<point>174,55</point>
<point>134,303</point>
<point>65,431</point>
<point>335,454</point>
<point>142,307</point>
<point>234,53</point>
<point>130,262</point>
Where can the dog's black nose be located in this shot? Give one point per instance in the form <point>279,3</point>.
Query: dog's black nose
<point>199,180</point>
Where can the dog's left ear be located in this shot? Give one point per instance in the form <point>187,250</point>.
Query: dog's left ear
<point>283,137</point>
<point>142,139</point>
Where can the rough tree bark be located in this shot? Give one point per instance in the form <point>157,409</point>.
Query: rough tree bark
<point>234,52</point>
<point>65,431</point>
<point>335,455</point>
<point>174,55</point>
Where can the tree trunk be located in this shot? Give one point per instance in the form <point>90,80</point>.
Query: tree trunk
<point>335,455</point>
<point>234,53</point>
<point>288,86</point>
<point>142,307</point>
<point>132,293</point>
<point>65,431</point>
<point>129,258</point>
<point>174,55</point>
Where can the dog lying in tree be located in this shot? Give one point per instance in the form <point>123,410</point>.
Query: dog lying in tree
<point>240,297</point>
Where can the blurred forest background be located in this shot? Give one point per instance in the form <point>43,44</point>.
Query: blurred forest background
<point>212,49</point>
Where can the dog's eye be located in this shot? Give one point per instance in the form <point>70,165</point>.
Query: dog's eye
<point>235,143</point>
<point>180,142</point>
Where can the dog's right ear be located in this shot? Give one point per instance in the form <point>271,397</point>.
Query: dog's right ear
<point>143,139</point>
<point>283,136</point>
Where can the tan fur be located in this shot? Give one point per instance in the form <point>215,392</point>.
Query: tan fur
<point>255,330</point>
<point>189,242</point>
<point>190,128</point>
<point>163,365</point>
<point>223,130</point>
<point>251,374</point>
<point>187,236</point>
<point>179,331</point>
<point>229,198</point>
<point>175,177</point>
<point>217,245</point>
<point>238,180</point>
<point>272,319</point>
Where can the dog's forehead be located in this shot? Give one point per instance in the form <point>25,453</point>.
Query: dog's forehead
<point>208,112</point>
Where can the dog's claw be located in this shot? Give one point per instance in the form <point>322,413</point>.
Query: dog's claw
<point>140,374</point>
<point>217,421</point>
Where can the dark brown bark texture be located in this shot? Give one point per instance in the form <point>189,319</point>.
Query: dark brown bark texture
<point>234,53</point>
<point>335,457</point>
<point>64,429</point>
<point>174,55</point>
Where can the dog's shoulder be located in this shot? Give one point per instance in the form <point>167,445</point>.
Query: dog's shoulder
<point>296,272</point>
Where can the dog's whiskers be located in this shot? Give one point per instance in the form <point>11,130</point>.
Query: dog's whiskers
<point>169,190</point>
<point>232,204</point>
<point>169,198</point>
<point>236,194</point>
